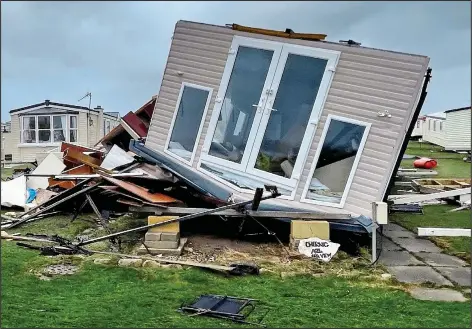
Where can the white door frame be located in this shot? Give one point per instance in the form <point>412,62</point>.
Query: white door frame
<point>332,58</point>
<point>276,47</point>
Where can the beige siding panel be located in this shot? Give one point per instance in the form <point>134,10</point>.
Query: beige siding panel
<point>372,84</point>
<point>345,100</point>
<point>351,86</point>
<point>379,70</point>
<point>366,81</point>
<point>201,48</point>
<point>202,56</point>
<point>376,78</point>
<point>367,98</point>
<point>385,63</point>
<point>15,138</point>
<point>200,70</point>
<point>457,130</point>
<point>196,79</point>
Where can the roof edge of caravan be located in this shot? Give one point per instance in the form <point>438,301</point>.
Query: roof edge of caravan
<point>322,41</point>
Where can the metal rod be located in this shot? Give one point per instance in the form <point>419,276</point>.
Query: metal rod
<point>88,188</point>
<point>179,219</point>
<point>57,196</point>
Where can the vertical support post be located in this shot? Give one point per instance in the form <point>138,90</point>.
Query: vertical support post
<point>374,242</point>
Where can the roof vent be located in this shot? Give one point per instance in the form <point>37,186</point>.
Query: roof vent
<point>47,102</point>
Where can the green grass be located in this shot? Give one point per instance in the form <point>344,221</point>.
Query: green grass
<point>105,296</point>
<point>7,172</point>
<point>439,216</point>
<point>450,165</point>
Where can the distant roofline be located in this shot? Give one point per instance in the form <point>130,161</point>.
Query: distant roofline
<point>49,103</point>
<point>458,109</point>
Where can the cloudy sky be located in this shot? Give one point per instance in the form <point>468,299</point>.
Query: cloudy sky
<point>118,50</point>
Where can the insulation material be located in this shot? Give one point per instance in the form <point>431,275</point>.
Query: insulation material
<point>14,192</point>
<point>116,158</point>
<point>51,165</point>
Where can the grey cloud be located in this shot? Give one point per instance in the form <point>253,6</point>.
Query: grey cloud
<point>118,50</point>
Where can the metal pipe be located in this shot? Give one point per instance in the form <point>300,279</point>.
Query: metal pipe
<point>88,188</point>
<point>179,219</point>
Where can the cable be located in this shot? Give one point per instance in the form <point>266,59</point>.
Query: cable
<point>381,242</point>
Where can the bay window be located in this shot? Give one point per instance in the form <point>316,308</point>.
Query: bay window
<point>47,129</point>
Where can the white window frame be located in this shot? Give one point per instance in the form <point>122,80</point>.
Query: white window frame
<point>69,129</point>
<point>51,129</point>
<point>360,150</point>
<point>200,128</point>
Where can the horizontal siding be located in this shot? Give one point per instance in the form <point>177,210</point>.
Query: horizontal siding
<point>365,82</point>
<point>432,136</point>
<point>458,126</point>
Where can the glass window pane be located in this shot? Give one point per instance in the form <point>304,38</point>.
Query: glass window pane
<point>108,126</point>
<point>44,122</point>
<point>73,136</point>
<point>44,136</point>
<point>187,122</point>
<point>73,121</point>
<point>292,106</point>
<point>244,90</point>
<point>59,121</point>
<point>335,162</point>
<point>29,123</point>
<point>29,136</point>
<point>59,135</point>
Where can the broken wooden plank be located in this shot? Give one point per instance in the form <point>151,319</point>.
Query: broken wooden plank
<point>169,261</point>
<point>235,213</point>
<point>142,192</point>
<point>401,199</point>
<point>442,231</point>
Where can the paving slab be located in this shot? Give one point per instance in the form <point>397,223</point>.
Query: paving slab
<point>399,234</point>
<point>458,275</point>
<point>418,274</point>
<point>416,245</point>
<point>437,259</point>
<point>442,295</point>
<point>388,245</point>
<point>394,227</point>
<point>391,258</point>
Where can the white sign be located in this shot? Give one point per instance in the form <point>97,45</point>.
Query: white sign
<point>317,248</point>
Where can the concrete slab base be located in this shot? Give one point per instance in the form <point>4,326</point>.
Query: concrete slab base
<point>165,252</point>
<point>418,274</point>
<point>442,295</point>
<point>437,259</point>
<point>459,275</point>
<point>392,258</point>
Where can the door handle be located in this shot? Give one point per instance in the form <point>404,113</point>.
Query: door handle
<point>258,107</point>
<point>268,110</point>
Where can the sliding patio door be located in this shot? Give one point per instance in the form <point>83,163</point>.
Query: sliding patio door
<point>267,108</point>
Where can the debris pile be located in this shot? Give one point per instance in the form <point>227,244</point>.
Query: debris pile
<point>79,179</point>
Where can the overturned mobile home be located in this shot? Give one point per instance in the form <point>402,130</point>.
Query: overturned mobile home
<point>325,122</point>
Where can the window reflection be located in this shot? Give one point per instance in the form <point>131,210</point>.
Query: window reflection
<point>336,161</point>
